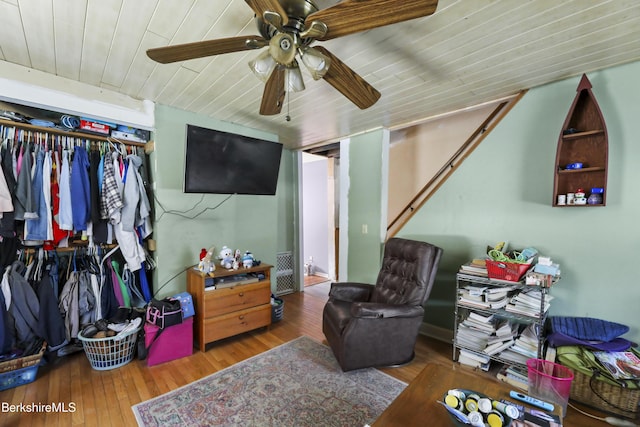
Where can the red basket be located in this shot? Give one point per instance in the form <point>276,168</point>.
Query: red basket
<point>509,271</point>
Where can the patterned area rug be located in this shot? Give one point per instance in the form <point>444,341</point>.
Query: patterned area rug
<point>296,384</point>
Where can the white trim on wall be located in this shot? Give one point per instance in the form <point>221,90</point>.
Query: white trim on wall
<point>343,238</point>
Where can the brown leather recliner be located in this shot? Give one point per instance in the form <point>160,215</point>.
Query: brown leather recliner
<point>378,325</point>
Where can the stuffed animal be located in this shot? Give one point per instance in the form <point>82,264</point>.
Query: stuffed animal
<point>207,264</point>
<point>247,260</point>
<point>226,257</point>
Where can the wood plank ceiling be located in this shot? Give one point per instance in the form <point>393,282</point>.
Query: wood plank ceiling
<point>468,52</point>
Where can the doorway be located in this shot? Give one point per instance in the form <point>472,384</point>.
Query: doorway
<point>319,218</point>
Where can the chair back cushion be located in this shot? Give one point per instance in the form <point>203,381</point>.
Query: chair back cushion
<point>407,273</point>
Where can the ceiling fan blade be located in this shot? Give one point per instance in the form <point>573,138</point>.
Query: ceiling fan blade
<point>273,96</point>
<point>259,7</point>
<point>348,82</point>
<point>353,16</point>
<point>181,52</point>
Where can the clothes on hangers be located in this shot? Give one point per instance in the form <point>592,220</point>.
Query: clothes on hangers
<point>80,191</point>
<point>22,305</point>
<point>59,186</point>
<point>6,200</point>
<point>25,206</point>
<point>136,210</point>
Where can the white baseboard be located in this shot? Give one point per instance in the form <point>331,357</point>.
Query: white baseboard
<point>437,332</point>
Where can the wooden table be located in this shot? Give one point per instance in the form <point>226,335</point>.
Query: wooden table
<point>416,405</point>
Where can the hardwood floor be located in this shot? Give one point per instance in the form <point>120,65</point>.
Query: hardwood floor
<point>104,398</point>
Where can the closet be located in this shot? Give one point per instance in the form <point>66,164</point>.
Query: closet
<point>76,222</point>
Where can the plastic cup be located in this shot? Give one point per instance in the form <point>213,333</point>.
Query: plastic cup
<point>550,382</point>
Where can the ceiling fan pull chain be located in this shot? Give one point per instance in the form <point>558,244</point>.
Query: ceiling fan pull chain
<point>288,117</point>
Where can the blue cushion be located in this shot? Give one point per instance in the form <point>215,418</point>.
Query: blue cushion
<point>588,328</point>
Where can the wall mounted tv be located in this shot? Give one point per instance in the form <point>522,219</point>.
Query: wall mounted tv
<point>226,163</point>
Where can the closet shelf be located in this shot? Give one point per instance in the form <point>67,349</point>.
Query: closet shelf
<point>74,246</point>
<point>148,146</point>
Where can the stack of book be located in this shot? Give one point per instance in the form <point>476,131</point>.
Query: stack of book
<point>474,331</point>
<point>517,376</point>
<point>473,295</point>
<point>485,334</point>
<point>529,303</point>
<point>474,360</point>
<point>497,296</point>
<point>527,343</point>
<point>524,347</point>
<point>485,297</point>
<point>503,338</point>
<point>475,267</point>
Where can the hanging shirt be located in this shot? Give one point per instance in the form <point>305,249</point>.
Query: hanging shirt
<point>36,228</point>
<point>46,188</point>
<point>80,189</point>
<point>136,210</point>
<point>58,235</point>
<point>111,200</point>
<point>65,217</point>
<point>6,202</point>
<point>99,228</point>
<point>25,206</point>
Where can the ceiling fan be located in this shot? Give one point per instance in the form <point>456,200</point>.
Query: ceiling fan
<point>288,28</point>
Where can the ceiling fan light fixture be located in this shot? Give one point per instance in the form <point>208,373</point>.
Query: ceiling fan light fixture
<point>317,63</point>
<point>263,65</point>
<point>293,81</point>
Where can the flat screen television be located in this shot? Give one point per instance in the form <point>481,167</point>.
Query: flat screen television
<point>226,163</point>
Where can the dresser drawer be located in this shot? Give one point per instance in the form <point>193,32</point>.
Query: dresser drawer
<point>221,301</point>
<point>238,322</point>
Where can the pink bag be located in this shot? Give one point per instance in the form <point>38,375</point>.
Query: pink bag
<point>171,343</point>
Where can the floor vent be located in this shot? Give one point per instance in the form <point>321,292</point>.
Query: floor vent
<point>285,283</point>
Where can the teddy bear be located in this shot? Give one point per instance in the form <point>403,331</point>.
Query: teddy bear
<point>247,260</point>
<point>226,257</point>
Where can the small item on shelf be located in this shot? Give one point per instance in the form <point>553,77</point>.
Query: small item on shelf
<point>595,198</point>
<point>570,198</point>
<point>576,165</point>
<point>580,198</point>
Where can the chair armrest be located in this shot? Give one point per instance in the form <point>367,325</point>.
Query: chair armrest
<point>379,310</point>
<point>350,291</point>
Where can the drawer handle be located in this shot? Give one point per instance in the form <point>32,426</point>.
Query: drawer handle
<point>241,317</point>
<point>241,294</point>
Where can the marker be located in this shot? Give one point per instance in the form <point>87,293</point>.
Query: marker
<point>531,400</point>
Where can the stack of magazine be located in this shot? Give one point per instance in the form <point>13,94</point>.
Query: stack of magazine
<point>485,297</point>
<point>486,334</point>
<point>514,375</point>
<point>475,267</point>
<point>623,365</point>
<point>529,303</point>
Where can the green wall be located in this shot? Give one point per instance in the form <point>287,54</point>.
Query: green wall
<point>185,223</point>
<point>366,198</point>
<point>503,191</point>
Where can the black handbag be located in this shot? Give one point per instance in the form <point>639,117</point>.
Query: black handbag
<point>164,313</point>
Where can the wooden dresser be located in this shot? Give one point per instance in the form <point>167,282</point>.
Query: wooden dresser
<point>230,310</point>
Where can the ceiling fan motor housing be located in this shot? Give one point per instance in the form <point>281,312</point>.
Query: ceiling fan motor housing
<point>296,10</point>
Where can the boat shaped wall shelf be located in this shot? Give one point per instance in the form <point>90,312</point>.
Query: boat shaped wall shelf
<point>583,139</point>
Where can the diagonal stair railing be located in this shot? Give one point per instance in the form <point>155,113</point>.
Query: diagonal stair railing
<point>452,164</point>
